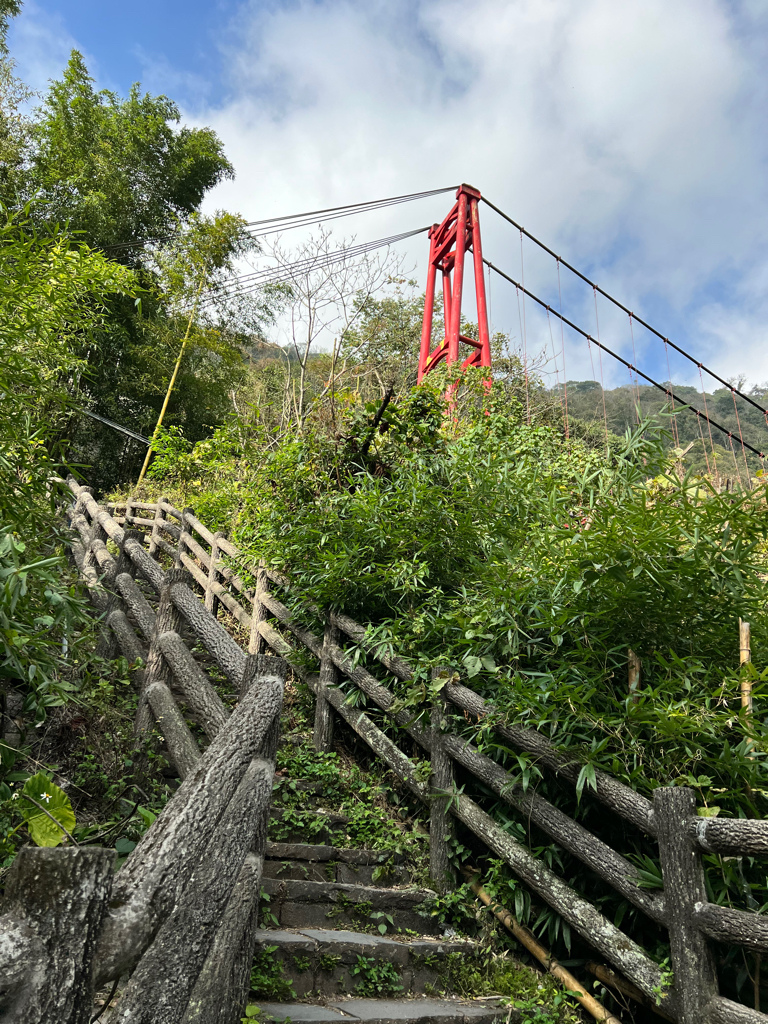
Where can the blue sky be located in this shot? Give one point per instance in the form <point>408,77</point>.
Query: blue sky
<point>631,137</point>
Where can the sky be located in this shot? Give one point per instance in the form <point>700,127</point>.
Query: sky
<point>630,137</point>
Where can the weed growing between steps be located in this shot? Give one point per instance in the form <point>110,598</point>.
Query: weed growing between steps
<point>268,979</point>
<point>376,979</point>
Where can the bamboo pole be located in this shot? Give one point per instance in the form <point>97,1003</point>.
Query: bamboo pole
<point>527,939</point>
<point>745,657</point>
<point>170,386</point>
<point>633,674</point>
<point>614,980</point>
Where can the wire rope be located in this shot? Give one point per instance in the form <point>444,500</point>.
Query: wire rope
<point>621,359</point>
<point>621,306</point>
<point>308,216</point>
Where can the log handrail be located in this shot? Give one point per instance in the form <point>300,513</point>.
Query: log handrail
<point>691,921</point>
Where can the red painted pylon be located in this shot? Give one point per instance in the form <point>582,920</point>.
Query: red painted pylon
<point>448,243</point>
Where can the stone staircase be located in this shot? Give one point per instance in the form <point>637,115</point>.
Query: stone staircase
<point>347,939</point>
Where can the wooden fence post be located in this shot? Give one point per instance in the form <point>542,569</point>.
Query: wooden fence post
<point>185,532</point>
<point>156,530</point>
<point>107,646</point>
<point>440,822</point>
<point>97,531</point>
<point>168,618</point>
<point>257,644</point>
<point>329,674</point>
<point>211,600</point>
<point>695,985</point>
<point>60,897</point>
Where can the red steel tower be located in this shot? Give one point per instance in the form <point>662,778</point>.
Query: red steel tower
<point>448,243</point>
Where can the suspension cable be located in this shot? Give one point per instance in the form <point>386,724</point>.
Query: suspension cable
<point>305,218</point>
<point>621,359</point>
<point>621,306</point>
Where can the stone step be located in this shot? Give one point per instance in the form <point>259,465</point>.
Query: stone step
<point>383,1011</point>
<point>323,962</point>
<point>299,904</point>
<point>314,863</point>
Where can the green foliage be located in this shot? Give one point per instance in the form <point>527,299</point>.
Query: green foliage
<point>377,979</point>
<point>118,170</point>
<point>268,978</point>
<point>38,795</point>
<point>37,614</point>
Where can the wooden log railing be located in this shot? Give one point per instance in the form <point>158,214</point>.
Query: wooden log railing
<point>258,620</point>
<point>178,919</point>
<point>670,819</point>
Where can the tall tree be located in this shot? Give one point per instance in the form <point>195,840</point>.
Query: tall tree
<point>119,171</point>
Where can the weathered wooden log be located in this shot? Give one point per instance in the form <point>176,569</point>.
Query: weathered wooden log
<point>732,927</point>
<point>60,897</point>
<point>146,566</point>
<point>219,993</point>
<point>97,595</point>
<point>198,527</point>
<point>284,616</point>
<point>256,642</point>
<point>731,837</point>
<point>197,550</point>
<point>123,565</point>
<point>323,730</point>
<point>692,961</point>
<point>167,619</point>
<point>184,535</point>
<point>211,600</point>
<point>171,510</point>
<point>182,745</point>
<point>199,695</point>
<point>165,977</point>
<point>147,885</point>
<point>130,645</point>
<point>441,782</point>
<point>231,604</point>
<point>609,791</point>
<point>596,929</point>
<point>402,766</point>
<point>276,642</point>
<point>133,520</point>
<point>725,1011</point>
<point>397,666</point>
<point>616,870</point>
<point>220,645</point>
<point>171,529</point>
<point>168,549</point>
<point>187,562</point>
<point>229,548</point>
<point>140,607</point>
<point>359,676</point>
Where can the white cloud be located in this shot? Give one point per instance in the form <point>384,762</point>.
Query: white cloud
<point>629,136</point>
<point>626,135</point>
<point>40,44</point>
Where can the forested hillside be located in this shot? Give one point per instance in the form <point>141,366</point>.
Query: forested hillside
<point>708,451</point>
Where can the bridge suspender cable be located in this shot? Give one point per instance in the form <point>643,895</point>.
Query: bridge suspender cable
<point>284,223</point>
<point>667,391</point>
<point>621,306</point>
